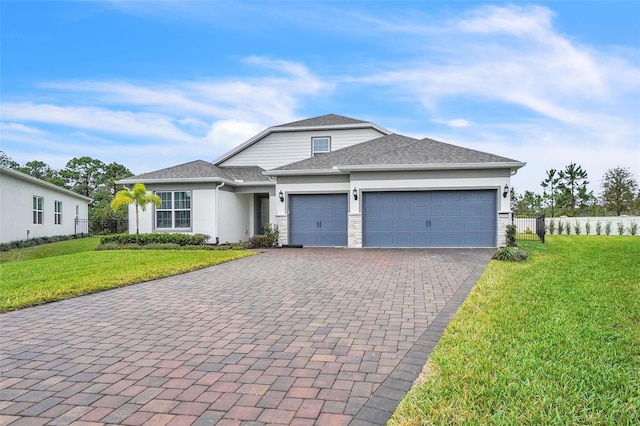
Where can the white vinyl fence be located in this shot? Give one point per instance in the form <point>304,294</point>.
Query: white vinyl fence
<point>611,225</point>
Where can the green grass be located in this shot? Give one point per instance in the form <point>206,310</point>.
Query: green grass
<point>64,269</point>
<point>52,249</point>
<point>554,340</point>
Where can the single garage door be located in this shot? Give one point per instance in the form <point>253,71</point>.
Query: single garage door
<point>430,219</point>
<point>318,219</point>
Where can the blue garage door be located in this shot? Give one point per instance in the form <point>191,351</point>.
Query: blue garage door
<point>318,220</point>
<point>430,219</point>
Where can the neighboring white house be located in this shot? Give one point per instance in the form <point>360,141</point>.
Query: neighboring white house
<point>31,208</point>
<point>337,181</point>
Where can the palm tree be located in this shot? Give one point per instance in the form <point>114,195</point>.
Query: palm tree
<point>138,197</point>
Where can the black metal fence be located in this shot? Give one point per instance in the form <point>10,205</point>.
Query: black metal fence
<point>101,226</point>
<point>530,228</point>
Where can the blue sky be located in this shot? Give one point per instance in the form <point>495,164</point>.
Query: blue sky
<point>155,84</point>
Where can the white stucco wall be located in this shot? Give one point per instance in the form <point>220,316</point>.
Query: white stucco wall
<point>16,209</point>
<point>235,217</point>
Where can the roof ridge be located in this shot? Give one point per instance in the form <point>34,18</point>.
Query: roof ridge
<point>324,120</point>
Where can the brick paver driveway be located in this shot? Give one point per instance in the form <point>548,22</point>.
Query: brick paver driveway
<point>291,336</point>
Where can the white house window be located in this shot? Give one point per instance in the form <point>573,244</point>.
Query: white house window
<point>57,212</point>
<point>320,145</point>
<point>174,211</point>
<point>38,210</point>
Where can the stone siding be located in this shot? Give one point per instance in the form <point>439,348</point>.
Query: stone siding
<point>354,239</point>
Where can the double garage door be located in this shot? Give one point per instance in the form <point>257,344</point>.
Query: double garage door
<point>398,219</point>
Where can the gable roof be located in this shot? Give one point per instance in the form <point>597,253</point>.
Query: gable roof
<point>323,122</point>
<point>398,152</point>
<point>43,183</point>
<point>202,171</point>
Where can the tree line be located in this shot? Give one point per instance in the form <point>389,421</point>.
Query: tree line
<point>565,193</point>
<point>83,175</point>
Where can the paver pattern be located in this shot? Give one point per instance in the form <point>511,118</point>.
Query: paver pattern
<point>291,336</point>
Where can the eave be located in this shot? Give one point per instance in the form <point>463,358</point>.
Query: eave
<point>196,180</point>
<point>333,171</point>
<point>431,166</point>
<point>345,169</point>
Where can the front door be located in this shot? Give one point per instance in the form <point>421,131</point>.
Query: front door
<point>262,212</point>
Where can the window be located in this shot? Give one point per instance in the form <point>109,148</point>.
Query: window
<point>57,212</point>
<point>38,210</point>
<point>174,210</point>
<point>320,145</point>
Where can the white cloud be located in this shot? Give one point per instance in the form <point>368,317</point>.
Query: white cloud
<point>456,122</point>
<point>17,127</point>
<point>229,133</point>
<point>100,119</point>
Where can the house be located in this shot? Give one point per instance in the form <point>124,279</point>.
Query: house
<point>33,208</point>
<point>337,181</point>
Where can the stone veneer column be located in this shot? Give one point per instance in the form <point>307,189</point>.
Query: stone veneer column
<point>281,221</point>
<point>355,230</point>
<point>504,219</point>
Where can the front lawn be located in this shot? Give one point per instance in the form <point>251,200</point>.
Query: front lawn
<point>554,340</point>
<point>43,275</point>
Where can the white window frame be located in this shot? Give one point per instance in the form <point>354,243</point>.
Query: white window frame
<point>57,212</point>
<point>170,207</point>
<point>315,152</point>
<point>38,210</point>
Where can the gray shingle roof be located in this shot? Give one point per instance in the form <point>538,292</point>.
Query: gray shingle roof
<point>203,169</point>
<point>323,120</point>
<point>396,149</point>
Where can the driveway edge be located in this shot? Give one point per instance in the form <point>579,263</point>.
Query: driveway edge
<point>381,405</point>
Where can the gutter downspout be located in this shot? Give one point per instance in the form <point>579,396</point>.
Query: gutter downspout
<point>217,221</point>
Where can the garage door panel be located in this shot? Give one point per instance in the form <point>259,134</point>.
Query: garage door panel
<point>465,218</point>
<point>318,219</point>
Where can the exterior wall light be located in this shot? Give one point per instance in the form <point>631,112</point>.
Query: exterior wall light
<point>506,191</point>
<point>281,196</point>
<point>355,193</point>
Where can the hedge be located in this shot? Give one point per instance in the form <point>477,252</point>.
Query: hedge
<point>156,238</point>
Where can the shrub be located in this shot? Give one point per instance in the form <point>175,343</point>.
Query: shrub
<point>258,241</point>
<point>633,228</point>
<point>512,254</point>
<point>587,228</point>
<point>528,231</point>
<point>576,228</point>
<point>156,238</point>
<point>568,229</point>
<point>269,239</point>
<point>560,227</point>
<point>272,233</point>
<point>511,236</point>
<point>552,227</point>
<point>598,228</point>
<point>607,228</point>
<point>620,228</point>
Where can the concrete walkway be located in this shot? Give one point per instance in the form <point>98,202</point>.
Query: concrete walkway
<point>291,336</point>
